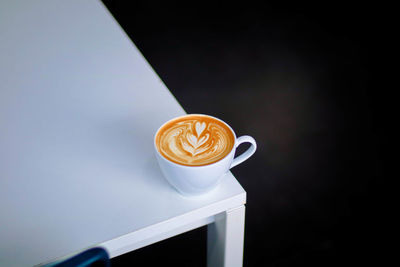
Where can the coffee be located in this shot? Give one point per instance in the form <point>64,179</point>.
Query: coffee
<point>195,140</point>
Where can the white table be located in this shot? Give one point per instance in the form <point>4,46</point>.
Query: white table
<point>78,109</point>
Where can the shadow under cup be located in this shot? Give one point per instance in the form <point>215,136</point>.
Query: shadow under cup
<point>192,180</point>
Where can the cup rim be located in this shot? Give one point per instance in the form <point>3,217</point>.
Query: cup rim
<point>195,166</point>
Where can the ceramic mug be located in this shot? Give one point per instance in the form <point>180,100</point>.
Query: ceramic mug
<point>197,180</point>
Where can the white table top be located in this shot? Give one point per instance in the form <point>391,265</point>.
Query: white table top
<point>79,106</point>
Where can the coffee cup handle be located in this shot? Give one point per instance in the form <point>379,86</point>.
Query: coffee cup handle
<point>247,154</point>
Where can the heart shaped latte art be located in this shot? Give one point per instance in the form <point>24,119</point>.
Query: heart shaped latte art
<point>195,140</point>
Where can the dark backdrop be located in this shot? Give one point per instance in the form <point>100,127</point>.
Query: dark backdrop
<point>298,79</point>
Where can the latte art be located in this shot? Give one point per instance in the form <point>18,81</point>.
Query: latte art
<point>194,140</point>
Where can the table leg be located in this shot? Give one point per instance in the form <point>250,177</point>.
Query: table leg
<point>225,239</point>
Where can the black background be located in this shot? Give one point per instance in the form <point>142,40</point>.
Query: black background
<point>298,79</point>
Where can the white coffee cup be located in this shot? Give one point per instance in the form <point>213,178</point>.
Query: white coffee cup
<point>196,180</point>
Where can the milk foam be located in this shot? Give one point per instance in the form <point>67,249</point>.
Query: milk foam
<point>195,140</point>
